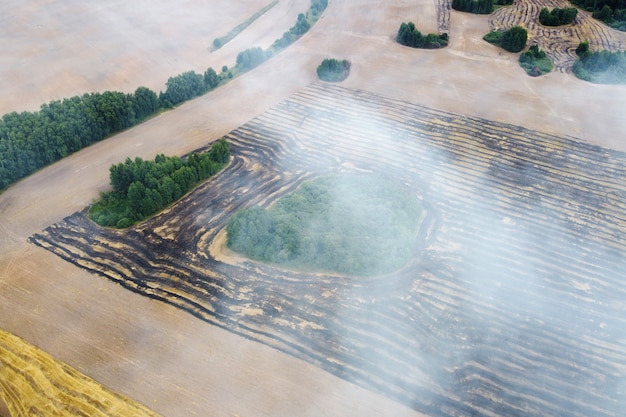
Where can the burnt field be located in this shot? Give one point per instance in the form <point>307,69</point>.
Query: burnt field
<point>513,304</point>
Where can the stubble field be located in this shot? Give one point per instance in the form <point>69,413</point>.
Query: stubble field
<point>513,306</point>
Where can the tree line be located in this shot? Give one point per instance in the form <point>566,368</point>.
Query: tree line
<point>333,70</point>
<point>535,61</point>
<point>353,224</point>
<point>32,140</point>
<point>603,67</point>
<point>142,188</point>
<point>408,35</point>
<point>478,6</point>
<point>557,16</point>
<point>611,12</point>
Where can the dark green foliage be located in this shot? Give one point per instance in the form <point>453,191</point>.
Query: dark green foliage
<point>251,58</point>
<point>611,12</point>
<point>603,67</point>
<point>145,103</point>
<point>408,35</point>
<point>184,87</point>
<point>221,41</point>
<point>557,17</point>
<point>512,40</point>
<point>31,140</point>
<point>352,224</point>
<point>582,48</point>
<point>141,188</point>
<point>473,6</point>
<point>333,70</point>
<point>211,79</point>
<point>303,24</point>
<point>478,6</point>
<point>318,6</point>
<point>535,62</point>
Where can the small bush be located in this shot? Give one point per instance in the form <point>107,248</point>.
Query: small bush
<point>535,62</point>
<point>557,17</point>
<point>333,70</point>
<point>408,35</point>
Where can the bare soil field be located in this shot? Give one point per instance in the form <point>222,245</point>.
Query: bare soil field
<point>178,365</point>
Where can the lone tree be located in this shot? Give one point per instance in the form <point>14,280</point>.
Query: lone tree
<point>333,70</point>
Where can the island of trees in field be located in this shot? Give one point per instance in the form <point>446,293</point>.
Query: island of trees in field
<point>512,40</point>
<point>611,12</point>
<point>333,70</point>
<point>32,140</point>
<point>479,6</point>
<point>354,224</point>
<point>557,16</point>
<point>142,188</point>
<point>601,67</point>
<point>408,35</point>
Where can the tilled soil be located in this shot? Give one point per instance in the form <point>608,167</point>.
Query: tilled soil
<point>513,295</point>
<point>166,358</point>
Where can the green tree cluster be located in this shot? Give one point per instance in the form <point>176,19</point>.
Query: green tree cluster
<point>478,6</point>
<point>473,6</point>
<point>141,188</point>
<point>353,224</point>
<point>252,57</point>
<point>31,140</point>
<point>303,24</point>
<point>557,16</point>
<point>333,70</point>
<point>408,35</point>
<point>219,42</point>
<point>512,40</point>
<point>611,12</point>
<point>188,85</point>
<point>602,67</point>
<point>535,62</point>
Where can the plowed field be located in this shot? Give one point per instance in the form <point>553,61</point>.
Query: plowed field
<point>512,306</point>
<point>512,303</point>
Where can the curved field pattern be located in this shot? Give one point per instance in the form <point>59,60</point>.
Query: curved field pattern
<point>512,306</point>
<point>32,383</point>
<point>559,42</point>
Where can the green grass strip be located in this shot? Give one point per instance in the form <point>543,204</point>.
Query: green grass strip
<point>221,41</point>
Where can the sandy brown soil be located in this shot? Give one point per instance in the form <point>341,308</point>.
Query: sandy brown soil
<point>154,353</point>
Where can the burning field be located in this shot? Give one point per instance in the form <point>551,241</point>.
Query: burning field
<point>512,304</point>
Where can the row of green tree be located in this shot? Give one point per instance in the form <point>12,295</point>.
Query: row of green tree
<point>142,188</point>
<point>352,224</point>
<point>611,12</point>
<point>255,56</point>
<point>557,16</point>
<point>602,67</point>
<point>408,35</point>
<point>333,70</point>
<point>478,6</point>
<point>31,140</point>
<point>222,40</point>
<point>303,24</point>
